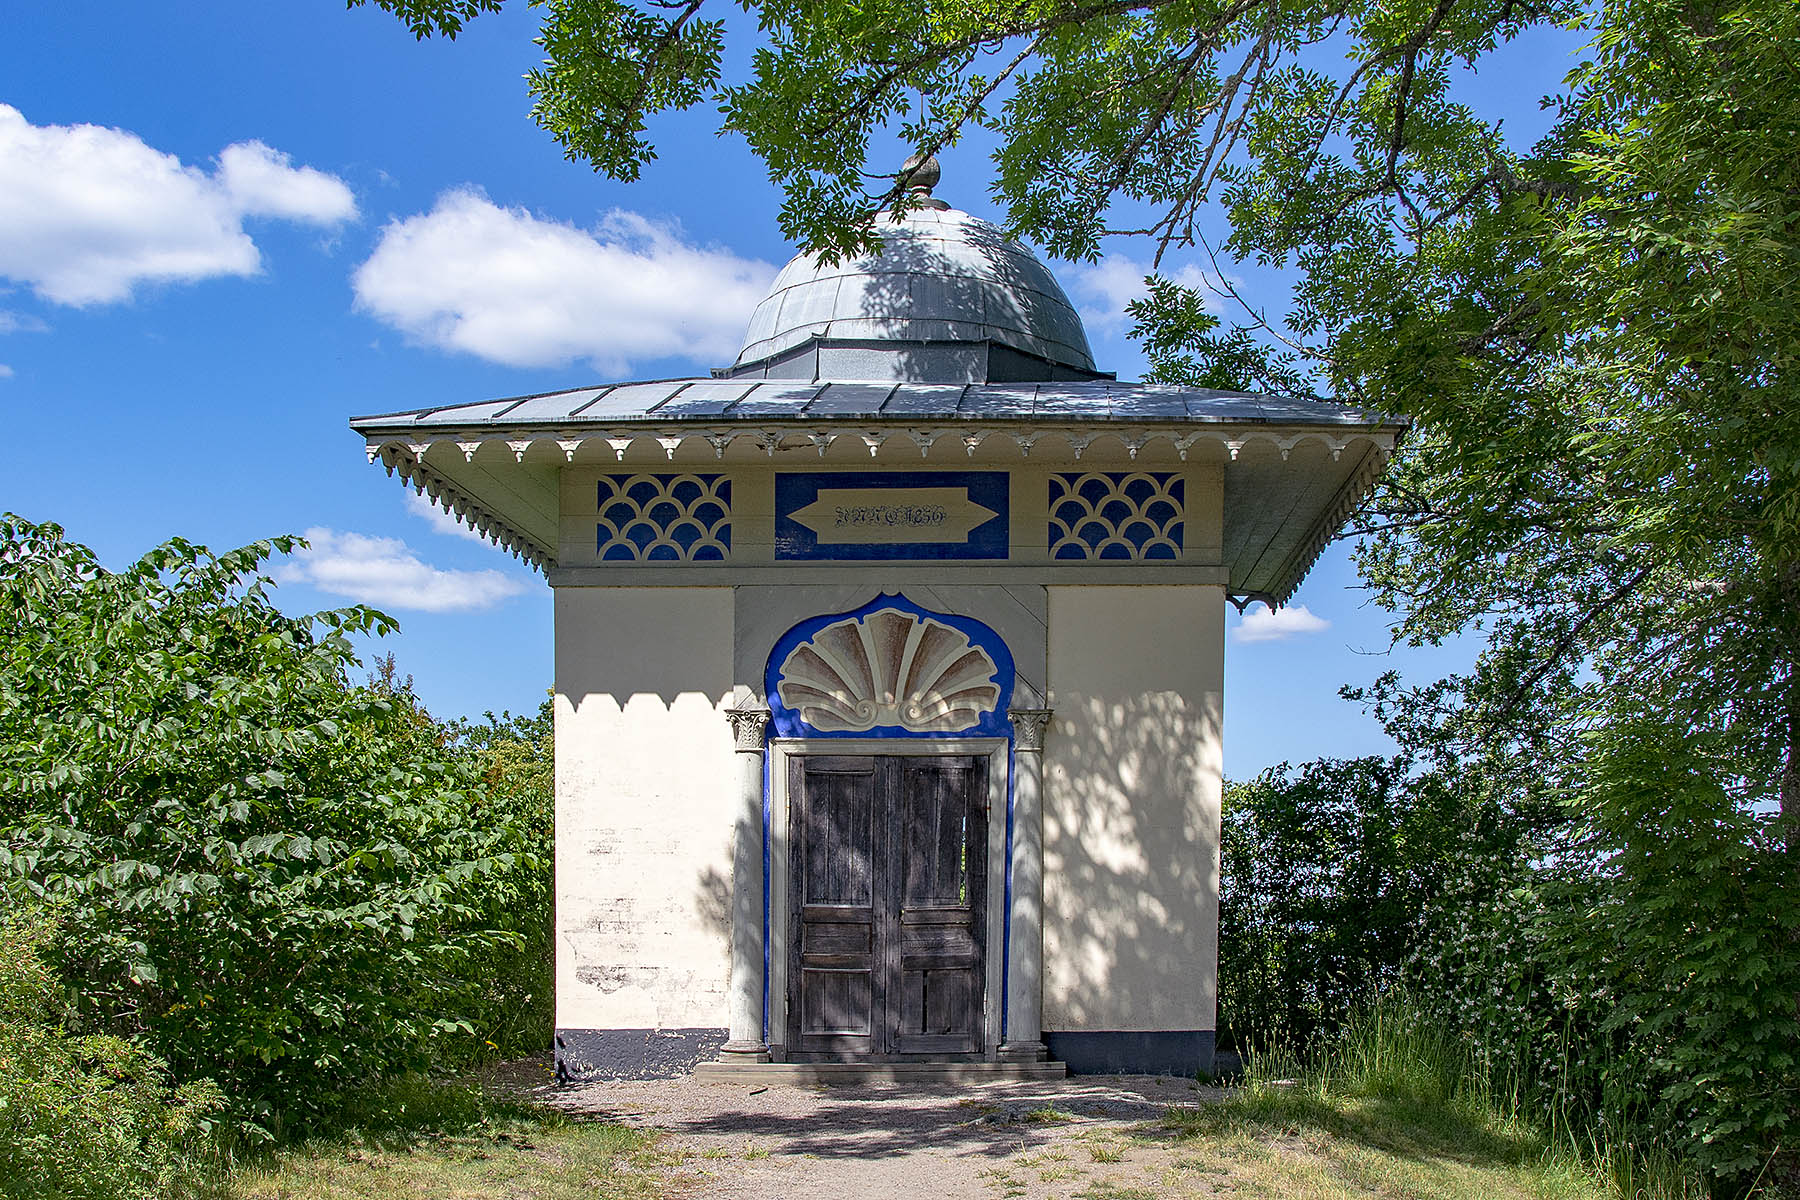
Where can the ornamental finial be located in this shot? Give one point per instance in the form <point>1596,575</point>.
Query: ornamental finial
<point>919,174</point>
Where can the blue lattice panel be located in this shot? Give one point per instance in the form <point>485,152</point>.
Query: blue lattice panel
<point>1133,516</point>
<point>664,518</point>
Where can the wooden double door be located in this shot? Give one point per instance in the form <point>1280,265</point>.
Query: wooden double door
<point>888,921</point>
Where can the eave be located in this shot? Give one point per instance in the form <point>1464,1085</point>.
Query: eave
<point>1294,472</point>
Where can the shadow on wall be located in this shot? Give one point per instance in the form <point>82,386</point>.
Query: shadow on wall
<point>1130,864</point>
<point>712,901</point>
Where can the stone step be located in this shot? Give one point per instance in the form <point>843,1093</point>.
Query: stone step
<point>878,1072</point>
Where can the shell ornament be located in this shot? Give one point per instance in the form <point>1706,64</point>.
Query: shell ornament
<point>890,668</point>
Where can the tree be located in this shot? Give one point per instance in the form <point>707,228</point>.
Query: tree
<point>1326,870</point>
<point>266,875</point>
<point>1594,336</point>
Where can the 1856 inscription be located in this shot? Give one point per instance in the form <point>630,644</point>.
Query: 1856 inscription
<point>891,514</point>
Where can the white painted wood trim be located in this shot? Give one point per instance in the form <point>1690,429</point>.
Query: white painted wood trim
<point>881,576</point>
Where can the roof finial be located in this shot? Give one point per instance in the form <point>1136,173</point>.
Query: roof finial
<point>919,174</point>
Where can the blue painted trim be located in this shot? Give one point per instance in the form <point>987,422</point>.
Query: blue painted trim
<point>767,794</point>
<point>1117,515</point>
<point>785,722</point>
<point>794,490</point>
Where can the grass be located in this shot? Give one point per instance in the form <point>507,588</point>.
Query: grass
<point>1393,1110</point>
<point>1314,1143</point>
<point>511,1153</point>
<point>1390,1112</point>
<point>1112,1191</point>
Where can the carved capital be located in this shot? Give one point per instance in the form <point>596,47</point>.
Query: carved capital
<point>1029,725</point>
<point>749,727</point>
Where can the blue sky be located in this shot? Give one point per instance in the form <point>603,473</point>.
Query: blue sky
<point>227,227</point>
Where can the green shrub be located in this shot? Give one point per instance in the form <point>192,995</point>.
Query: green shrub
<point>1637,989</point>
<point>1325,871</point>
<point>87,1118</point>
<point>271,877</point>
<point>515,757</point>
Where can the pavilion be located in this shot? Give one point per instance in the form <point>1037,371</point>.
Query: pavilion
<point>889,670</point>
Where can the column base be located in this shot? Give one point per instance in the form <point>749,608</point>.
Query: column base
<point>1023,1052</point>
<point>744,1052</point>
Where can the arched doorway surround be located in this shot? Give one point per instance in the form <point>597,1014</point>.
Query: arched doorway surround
<point>889,836</point>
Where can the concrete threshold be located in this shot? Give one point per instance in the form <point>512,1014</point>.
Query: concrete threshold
<point>878,1072</point>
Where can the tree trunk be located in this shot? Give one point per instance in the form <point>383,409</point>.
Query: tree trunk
<point>1788,787</point>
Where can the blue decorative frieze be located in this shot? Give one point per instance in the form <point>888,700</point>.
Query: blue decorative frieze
<point>664,518</point>
<point>1134,516</point>
<point>891,515</point>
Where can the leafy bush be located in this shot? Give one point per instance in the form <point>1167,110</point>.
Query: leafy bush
<point>90,1117</point>
<point>1638,988</point>
<point>271,877</point>
<point>1327,869</point>
<point>515,760</point>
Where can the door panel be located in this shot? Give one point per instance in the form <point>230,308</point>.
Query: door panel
<point>941,869</point>
<point>839,838</point>
<point>889,879</point>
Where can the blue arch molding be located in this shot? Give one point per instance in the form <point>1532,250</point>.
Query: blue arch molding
<point>785,722</point>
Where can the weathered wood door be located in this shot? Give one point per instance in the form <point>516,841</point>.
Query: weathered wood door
<point>887,932</point>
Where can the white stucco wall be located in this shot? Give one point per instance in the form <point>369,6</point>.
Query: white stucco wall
<point>1131,820</point>
<point>645,786</point>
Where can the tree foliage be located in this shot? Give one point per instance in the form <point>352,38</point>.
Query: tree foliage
<point>1326,869</point>
<point>1594,336</point>
<point>89,1116</point>
<point>269,876</point>
<point>514,758</point>
<point>1640,982</point>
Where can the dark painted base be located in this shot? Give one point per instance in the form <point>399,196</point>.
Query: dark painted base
<point>1186,1052</point>
<point>584,1054</point>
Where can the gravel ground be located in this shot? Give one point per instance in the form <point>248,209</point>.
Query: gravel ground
<point>993,1140</point>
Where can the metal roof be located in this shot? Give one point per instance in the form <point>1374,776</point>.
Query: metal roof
<point>940,276</point>
<point>919,344</point>
<point>713,401</point>
<point>1294,470</point>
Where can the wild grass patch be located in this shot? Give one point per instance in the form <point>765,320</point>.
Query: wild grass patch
<point>1393,1107</point>
<point>518,1156</point>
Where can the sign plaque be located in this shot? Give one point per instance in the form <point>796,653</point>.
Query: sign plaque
<point>891,515</point>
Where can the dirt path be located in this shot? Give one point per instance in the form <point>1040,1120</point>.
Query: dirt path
<point>1000,1140</point>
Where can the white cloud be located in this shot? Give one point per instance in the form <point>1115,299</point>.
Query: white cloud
<point>441,522</point>
<point>264,182</point>
<point>386,573</point>
<point>1102,289</point>
<point>514,288</point>
<point>6,372</point>
<point>1262,625</point>
<point>18,322</point>
<point>87,213</point>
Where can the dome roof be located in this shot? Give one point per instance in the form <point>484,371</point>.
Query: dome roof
<point>941,276</point>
